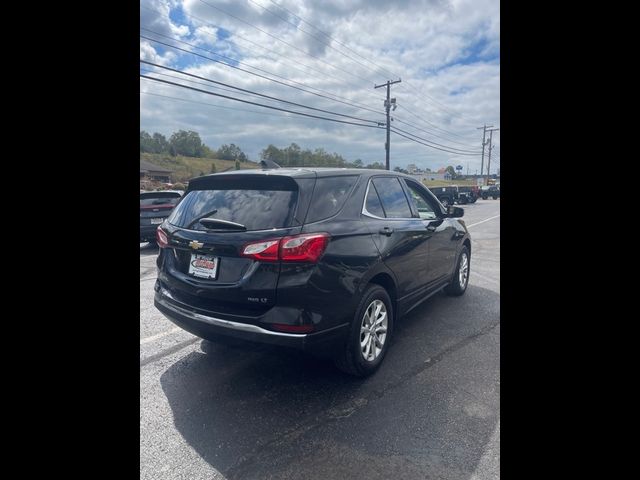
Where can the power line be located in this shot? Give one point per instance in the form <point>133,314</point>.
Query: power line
<point>436,103</point>
<point>290,65</point>
<point>453,149</point>
<point>217,106</point>
<point>415,115</point>
<point>333,97</point>
<point>258,104</point>
<point>148,70</point>
<point>427,145</point>
<point>396,119</point>
<point>311,35</point>
<point>251,92</point>
<point>283,41</point>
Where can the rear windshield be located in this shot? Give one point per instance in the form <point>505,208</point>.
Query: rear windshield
<point>148,199</point>
<point>256,208</point>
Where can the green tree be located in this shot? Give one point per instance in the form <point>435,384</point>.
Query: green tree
<point>451,171</point>
<point>159,143</point>
<point>358,163</point>
<point>272,153</point>
<point>186,143</point>
<point>146,142</point>
<point>231,152</point>
<point>376,166</point>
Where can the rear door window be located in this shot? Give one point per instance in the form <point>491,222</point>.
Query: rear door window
<point>329,195</point>
<point>392,196</point>
<point>258,205</point>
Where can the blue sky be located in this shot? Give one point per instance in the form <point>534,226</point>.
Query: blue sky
<point>447,54</point>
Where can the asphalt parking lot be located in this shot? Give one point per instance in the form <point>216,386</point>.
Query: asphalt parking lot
<point>431,411</point>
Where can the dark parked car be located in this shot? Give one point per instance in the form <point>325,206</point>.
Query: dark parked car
<point>446,195</point>
<point>155,207</point>
<point>468,194</point>
<point>492,191</point>
<point>324,260</point>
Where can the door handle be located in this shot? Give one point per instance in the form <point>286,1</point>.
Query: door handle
<point>386,231</point>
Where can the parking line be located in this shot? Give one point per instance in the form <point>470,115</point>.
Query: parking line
<point>486,220</point>
<point>159,335</point>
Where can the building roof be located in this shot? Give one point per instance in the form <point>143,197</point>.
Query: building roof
<point>150,167</point>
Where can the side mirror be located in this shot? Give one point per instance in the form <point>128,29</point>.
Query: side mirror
<point>455,212</point>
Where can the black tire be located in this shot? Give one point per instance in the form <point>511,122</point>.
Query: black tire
<point>463,201</point>
<point>484,197</point>
<point>474,200</point>
<point>351,360</point>
<point>455,287</point>
<point>495,197</point>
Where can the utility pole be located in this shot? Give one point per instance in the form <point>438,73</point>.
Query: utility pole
<point>490,148</point>
<point>387,106</point>
<point>484,131</point>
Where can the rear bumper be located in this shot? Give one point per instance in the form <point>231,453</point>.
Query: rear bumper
<point>216,327</point>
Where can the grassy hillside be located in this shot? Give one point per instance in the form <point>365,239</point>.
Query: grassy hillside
<point>185,168</point>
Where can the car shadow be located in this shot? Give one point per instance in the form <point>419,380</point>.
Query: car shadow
<point>148,248</point>
<point>428,412</point>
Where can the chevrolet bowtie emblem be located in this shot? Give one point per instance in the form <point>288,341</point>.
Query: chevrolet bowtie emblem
<point>195,244</point>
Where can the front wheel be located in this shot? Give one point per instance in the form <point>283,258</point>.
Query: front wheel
<point>460,278</point>
<point>370,334</point>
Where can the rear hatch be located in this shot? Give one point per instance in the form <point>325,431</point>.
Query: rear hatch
<point>156,206</point>
<point>204,264</point>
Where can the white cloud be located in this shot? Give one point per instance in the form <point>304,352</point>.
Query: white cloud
<point>446,51</point>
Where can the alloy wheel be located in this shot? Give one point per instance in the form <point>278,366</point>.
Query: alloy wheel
<point>373,330</point>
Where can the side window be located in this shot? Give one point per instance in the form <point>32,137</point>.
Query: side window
<point>420,202</point>
<point>373,204</point>
<point>392,196</point>
<point>329,196</point>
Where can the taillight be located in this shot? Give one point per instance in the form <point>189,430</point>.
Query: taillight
<point>161,237</point>
<point>266,250</point>
<point>303,248</point>
<point>300,248</point>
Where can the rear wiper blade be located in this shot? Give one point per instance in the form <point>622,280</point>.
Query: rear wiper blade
<point>217,224</point>
<point>200,217</point>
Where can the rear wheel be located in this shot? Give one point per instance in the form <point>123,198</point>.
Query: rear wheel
<point>495,197</point>
<point>460,278</point>
<point>370,334</point>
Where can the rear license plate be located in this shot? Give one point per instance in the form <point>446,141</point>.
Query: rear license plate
<point>156,221</point>
<point>203,266</point>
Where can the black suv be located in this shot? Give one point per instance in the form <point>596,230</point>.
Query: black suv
<point>155,207</point>
<point>324,260</point>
